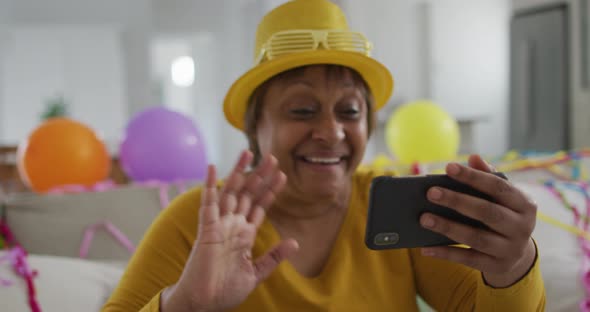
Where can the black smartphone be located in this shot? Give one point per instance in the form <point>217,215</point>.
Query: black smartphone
<point>395,207</point>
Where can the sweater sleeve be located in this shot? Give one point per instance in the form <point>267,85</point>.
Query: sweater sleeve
<point>153,305</point>
<point>160,257</point>
<point>449,286</point>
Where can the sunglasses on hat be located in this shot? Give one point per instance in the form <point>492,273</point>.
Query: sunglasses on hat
<point>302,40</point>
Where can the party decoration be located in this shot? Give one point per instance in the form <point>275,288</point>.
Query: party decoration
<point>62,151</point>
<point>163,145</point>
<point>111,229</point>
<point>422,131</point>
<point>55,107</point>
<point>17,256</point>
<point>382,161</point>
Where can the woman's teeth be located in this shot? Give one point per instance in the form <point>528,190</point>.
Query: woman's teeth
<point>322,160</point>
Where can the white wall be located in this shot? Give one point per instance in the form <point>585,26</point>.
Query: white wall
<point>5,21</point>
<point>454,52</point>
<point>82,63</point>
<point>131,17</point>
<point>469,66</point>
<point>580,96</point>
<point>134,17</point>
<point>394,29</point>
<point>190,16</point>
<point>163,53</point>
<point>398,31</point>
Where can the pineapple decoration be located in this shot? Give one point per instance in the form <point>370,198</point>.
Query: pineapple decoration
<point>75,149</point>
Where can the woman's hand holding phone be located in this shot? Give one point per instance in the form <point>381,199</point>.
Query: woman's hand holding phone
<point>503,253</point>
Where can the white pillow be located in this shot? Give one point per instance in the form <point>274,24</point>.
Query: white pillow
<point>62,284</point>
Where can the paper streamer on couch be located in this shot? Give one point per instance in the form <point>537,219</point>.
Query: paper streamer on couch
<point>111,229</point>
<point>18,259</point>
<point>566,227</point>
<point>581,222</point>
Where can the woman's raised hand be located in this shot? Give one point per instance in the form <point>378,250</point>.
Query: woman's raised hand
<point>220,272</point>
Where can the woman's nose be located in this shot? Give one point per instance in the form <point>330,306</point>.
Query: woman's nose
<point>329,130</point>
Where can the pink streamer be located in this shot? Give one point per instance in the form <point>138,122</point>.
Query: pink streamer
<point>18,258</point>
<point>79,188</point>
<point>164,199</point>
<point>164,189</point>
<point>182,187</point>
<point>6,233</point>
<point>22,268</point>
<point>581,223</point>
<point>111,229</point>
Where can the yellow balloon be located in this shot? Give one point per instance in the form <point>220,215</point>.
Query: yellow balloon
<point>422,131</point>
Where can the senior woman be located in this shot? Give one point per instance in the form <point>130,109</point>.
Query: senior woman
<point>288,235</point>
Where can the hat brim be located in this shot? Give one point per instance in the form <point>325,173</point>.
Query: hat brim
<point>376,75</point>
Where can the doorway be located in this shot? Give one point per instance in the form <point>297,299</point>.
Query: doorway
<point>539,79</point>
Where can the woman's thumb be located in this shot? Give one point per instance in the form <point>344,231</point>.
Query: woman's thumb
<point>268,262</point>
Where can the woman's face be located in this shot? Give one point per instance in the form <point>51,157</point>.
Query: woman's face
<point>315,124</point>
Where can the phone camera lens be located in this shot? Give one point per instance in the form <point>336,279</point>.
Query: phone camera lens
<point>386,238</point>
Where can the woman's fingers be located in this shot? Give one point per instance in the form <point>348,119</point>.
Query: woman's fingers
<point>236,178</point>
<point>244,204</point>
<point>264,178</point>
<point>228,200</point>
<point>258,212</point>
<point>209,209</point>
<point>259,186</point>
<point>275,186</point>
<point>500,189</point>
<point>496,217</point>
<point>469,257</point>
<point>481,240</point>
<point>257,179</point>
<point>256,216</point>
<point>267,263</point>
<point>476,162</point>
<point>262,185</point>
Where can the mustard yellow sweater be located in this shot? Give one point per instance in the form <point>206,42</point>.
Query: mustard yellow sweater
<point>354,278</point>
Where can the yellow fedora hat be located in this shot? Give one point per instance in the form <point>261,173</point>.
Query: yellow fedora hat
<point>300,33</point>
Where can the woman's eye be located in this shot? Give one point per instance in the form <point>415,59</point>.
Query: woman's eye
<point>302,112</point>
<point>350,112</point>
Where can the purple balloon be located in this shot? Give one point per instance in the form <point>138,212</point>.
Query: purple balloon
<point>163,145</point>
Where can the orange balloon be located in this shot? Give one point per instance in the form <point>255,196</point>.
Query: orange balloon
<point>62,151</point>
